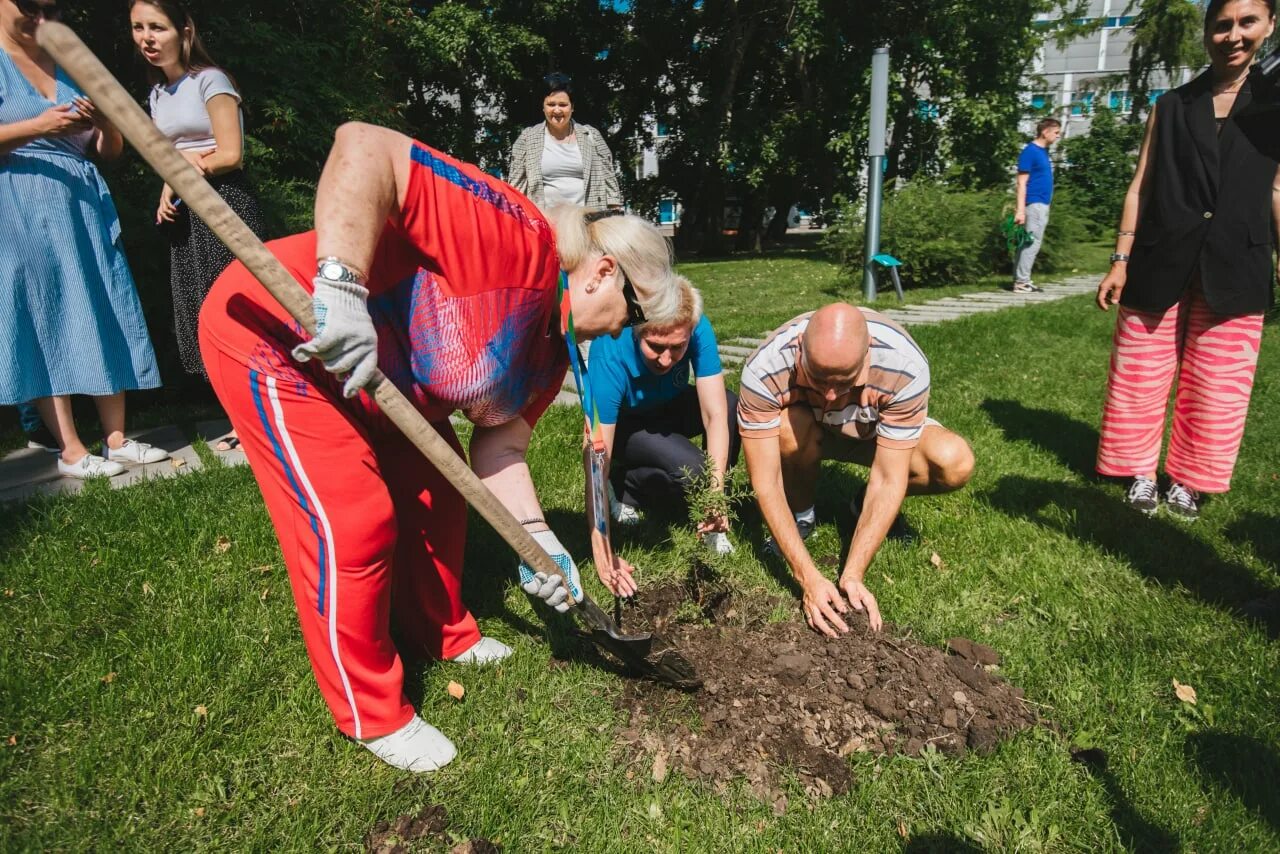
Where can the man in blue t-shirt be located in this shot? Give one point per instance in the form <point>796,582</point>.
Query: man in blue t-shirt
<point>649,414</point>
<point>1035,192</point>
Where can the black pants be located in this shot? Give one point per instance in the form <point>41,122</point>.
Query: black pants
<point>653,451</point>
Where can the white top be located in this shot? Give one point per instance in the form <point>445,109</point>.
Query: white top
<point>562,182</point>
<point>179,108</point>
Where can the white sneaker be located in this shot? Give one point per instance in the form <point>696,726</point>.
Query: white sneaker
<point>718,542</point>
<point>417,746</point>
<point>624,514</point>
<point>90,465</point>
<point>483,651</point>
<point>135,452</point>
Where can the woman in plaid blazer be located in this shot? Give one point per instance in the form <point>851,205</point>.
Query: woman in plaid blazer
<point>560,161</point>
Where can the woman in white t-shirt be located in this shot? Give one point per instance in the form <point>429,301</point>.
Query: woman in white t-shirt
<point>561,161</point>
<point>197,106</point>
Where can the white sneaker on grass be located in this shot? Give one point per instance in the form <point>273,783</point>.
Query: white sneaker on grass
<point>135,452</point>
<point>483,651</point>
<point>718,542</point>
<point>417,746</point>
<point>622,514</point>
<point>90,465</point>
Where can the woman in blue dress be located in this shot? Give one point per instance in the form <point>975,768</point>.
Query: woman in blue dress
<point>68,307</point>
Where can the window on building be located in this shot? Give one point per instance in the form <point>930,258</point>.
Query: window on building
<point>1120,101</point>
<point>1040,100</point>
<point>662,129</point>
<point>1081,103</point>
<point>1155,93</point>
<point>1117,21</point>
<point>927,111</point>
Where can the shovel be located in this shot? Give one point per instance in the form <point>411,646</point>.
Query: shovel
<point>646,654</point>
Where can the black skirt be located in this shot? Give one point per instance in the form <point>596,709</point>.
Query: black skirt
<point>197,257</point>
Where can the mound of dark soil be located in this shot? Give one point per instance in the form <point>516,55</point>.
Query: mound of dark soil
<point>428,827</point>
<point>779,696</point>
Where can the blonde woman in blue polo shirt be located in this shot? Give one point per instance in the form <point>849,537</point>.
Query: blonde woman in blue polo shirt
<point>650,413</point>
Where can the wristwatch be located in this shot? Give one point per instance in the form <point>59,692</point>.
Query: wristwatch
<point>1118,256</point>
<point>334,270</point>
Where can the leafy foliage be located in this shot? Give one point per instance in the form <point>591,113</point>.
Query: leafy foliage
<point>1099,165</point>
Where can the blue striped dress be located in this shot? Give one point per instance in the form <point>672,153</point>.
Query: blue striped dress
<point>70,319</point>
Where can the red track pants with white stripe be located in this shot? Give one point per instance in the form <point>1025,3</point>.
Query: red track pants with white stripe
<point>366,525</point>
<point>1214,358</point>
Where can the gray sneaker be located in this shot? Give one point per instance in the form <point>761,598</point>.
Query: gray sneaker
<point>805,527</point>
<point>1183,502</point>
<point>1143,496</point>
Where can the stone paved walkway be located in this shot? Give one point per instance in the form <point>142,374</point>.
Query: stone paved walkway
<point>33,472</point>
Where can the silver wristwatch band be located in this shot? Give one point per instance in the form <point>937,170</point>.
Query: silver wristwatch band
<point>335,270</point>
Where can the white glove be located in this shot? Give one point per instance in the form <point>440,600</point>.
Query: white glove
<point>345,338</point>
<point>552,589</point>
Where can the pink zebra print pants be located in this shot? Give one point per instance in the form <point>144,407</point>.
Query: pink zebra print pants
<point>1214,358</point>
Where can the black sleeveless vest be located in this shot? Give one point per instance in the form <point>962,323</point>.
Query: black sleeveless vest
<point>1209,203</point>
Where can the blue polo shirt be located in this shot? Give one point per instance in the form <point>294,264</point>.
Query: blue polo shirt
<point>1035,161</point>
<point>620,379</point>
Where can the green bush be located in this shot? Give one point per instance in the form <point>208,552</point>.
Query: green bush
<point>947,236</point>
<point>942,236</point>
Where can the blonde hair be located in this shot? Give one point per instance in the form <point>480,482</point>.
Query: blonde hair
<point>637,245</point>
<point>690,311</point>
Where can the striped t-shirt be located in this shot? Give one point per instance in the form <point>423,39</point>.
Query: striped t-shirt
<point>890,406</point>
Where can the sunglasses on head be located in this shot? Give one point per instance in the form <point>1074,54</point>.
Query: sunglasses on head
<point>33,9</point>
<point>635,314</point>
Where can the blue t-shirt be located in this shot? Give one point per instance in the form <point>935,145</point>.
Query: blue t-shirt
<point>1034,160</point>
<point>620,379</point>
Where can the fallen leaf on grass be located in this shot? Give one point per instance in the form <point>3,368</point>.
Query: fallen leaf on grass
<point>8,591</point>
<point>177,462</point>
<point>147,589</point>
<point>902,825</point>
<point>222,545</point>
<point>937,561</point>
<point>455,690</point>
<point>265,569</point>
<point>13,741</point>
<point>109,678</point>
<point>660,767</point>
<point>1185,693</point>
<point>887,579</point>
<point>265,591</point>
<point>199,812</point>
<point>201,712</point>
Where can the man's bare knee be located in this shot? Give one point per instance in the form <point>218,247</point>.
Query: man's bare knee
<point>951,463</point>
<point>798,439</point>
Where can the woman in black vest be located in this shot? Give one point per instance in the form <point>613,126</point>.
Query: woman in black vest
<point>1192,270</point>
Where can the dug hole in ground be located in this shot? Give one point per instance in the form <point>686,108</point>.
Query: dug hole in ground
<point>779,698</point>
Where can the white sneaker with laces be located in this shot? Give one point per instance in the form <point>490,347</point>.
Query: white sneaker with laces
<point>483,651</point>
<point>417,746</point>
<point>90,465</point>
<point>623,514</point>
<point>135,452</point>
<point>718,542</point>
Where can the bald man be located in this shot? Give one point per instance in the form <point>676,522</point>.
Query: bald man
<point>841,383</point>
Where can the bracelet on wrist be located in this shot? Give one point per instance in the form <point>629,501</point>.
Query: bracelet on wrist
<point>1125,233</point>
<point>533,521</point>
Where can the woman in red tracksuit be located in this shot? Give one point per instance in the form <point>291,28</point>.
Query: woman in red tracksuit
<point>450,281</point>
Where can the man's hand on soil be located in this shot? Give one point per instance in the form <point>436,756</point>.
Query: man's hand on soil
<point>823,606</point>
<point>862,600</point>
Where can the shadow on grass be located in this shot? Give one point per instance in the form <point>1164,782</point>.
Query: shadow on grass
<point>1137,833</point>
<point>1073,442</point>
<point>1158,548</point>
<point>1261,532</point>
<point>1244,766</point>
<point>939,842</point>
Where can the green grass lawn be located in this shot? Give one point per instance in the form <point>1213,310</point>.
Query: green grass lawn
<point>154,691</point>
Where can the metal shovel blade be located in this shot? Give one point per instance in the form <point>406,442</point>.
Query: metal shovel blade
<point>648,653</point>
